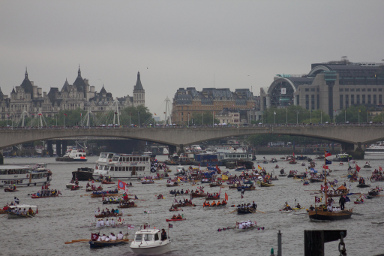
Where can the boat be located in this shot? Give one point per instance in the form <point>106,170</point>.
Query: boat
<point>245,210</point>
<point>367,165</point>
<point>375,150</point>
<point>46,193</point>
<point>17,175</point>
<point>150,241</point>
<point>247,225</point>
<point>216,184</point>
<point>199,194</point>
<point>11,189</point>
<point>323,212</point>
<point>362,183</point>
<point>180,170</point>
<point>25,211</point>
<point>263,184</point>
<point>240,168</point>
<point>176,219</point>
<point>246,188</point>
<point>128,204</point>
<point>83,174</point>
<point>344,157</point>
<point>104,193</point>
<point>147,181</point>
<point>101,244</point>
<point>123,166</point>
<point>108,215</point>
<point>78,155</point>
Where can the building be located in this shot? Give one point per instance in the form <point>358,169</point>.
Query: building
<point>28,99</point>
<point>188,101</point>
<point>330,87</point>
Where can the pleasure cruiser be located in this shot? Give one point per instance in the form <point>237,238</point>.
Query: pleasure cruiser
<point>24,175</point>
<point>150,241</point>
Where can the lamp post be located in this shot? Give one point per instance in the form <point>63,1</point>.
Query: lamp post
<point>188,119</point>
<point>286,116</point>
<point>297,117</point>
<point>138,114</point>
<point>345,116</point>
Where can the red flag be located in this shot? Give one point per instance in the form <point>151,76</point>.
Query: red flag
<point>65,114</point>
<point>121,185</point>
<point>325,167</point>
<point>293,153</point>
<point>226,196</point>
<point>218,169</point>
<point>326,153</point>
<point>357,168</point>
<point>380,169</point>
<point>317,199</point>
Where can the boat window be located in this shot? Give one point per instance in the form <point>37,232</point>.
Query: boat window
<point>156,236</point>
<point>148,237</point>
<point>138,237</point>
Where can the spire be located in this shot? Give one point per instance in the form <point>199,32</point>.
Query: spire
<point>26,73</point>
<point>138,85</point>
<point>79,72</point>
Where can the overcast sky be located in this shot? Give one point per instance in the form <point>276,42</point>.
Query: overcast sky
<point>174,44</point>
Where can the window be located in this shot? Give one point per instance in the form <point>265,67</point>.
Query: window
<point>363,99</point>
<point>138,237</point>
<point>369,99</point>
<point>357,99</point>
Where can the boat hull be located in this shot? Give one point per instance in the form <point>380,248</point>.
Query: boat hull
<point>157,250</point>
<point>323,215</point>
<point>101,244</point>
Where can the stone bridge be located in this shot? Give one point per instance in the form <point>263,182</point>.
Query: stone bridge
<point>350,136</point>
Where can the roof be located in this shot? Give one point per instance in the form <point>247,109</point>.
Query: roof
<point>138,85</point>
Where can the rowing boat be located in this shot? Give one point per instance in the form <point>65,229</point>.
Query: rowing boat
<point>168,220</point>
<point>100,244</point>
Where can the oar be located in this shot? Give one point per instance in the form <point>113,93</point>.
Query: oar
<point>77,241</point>
<point>233,211</point>
<point>260,211</point>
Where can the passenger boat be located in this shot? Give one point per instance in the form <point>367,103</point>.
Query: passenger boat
<point>342,157</point>
<point>24,175</point>
<point>83,174</point>
<point>149,241</point>
<point>122,166</point>
<point>78,155</point>
<point>13,215</point>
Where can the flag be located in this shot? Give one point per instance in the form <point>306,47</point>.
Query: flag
<point>170,225</point>
<point>136,197</point>
<point>357,168</point>
<point>121,185</point>
<point>325,167</point>
<point>39,114</point>
<point>328,161</point>
<point>226,196</point>
<point>218,169</point>
<point>65,114</point>
<point>81,114</point>
<point>317,199</point>
<point>326,153</point>
<point>258,166</point>
<point>380,169</point>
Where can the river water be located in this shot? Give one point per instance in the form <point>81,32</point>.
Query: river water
<point>63,219</point>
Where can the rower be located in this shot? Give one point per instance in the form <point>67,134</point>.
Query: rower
<point>120,235</point>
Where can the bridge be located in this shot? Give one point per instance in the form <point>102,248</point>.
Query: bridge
<point>350,136</point>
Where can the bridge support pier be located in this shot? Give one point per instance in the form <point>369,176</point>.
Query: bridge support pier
<point>64,145</point>
<point>58,148</point>
<point>355,150</point>
<point>50,148</point>
<point>172,150</point>
<point>180,149</point>
<point>1,157</point>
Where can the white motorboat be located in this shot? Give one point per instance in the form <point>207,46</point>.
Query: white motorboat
<point>180,170</point>
<point>24,175</point>
<point>149,241</point>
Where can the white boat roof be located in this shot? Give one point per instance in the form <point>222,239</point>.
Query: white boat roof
<point>7,167</point>
<point>147,231</point>
<point>22,206</point>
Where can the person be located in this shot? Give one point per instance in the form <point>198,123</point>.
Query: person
<point>103,238</point>
<point>342,202</point>
<point>254,205</point>
<point>107,223</point>
<point>163,235</point>
<point>311,208</point>
<point>120,235</point>
<point>17,201</point>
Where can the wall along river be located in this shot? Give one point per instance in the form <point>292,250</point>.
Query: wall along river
<point>62,219</point>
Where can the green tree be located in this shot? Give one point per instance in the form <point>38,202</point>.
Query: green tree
<point>203,118</point>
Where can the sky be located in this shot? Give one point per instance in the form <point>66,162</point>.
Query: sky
<point>179,43</point>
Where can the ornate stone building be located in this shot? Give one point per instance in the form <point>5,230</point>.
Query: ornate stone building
<point>188,101</point>
<point>30,99</point>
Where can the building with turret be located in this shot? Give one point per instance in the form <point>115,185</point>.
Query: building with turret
<point>28,99</point>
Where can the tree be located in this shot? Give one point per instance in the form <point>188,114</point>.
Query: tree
<point>203,118</point>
